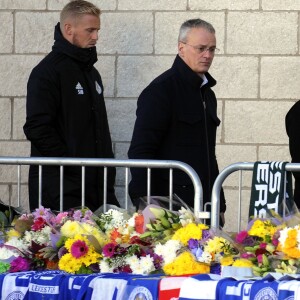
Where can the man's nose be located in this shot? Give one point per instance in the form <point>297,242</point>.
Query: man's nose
<point>95,35</point>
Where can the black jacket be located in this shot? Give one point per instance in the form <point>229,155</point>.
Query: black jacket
<point>292,125</point>
<point>176,120</point>
<point>66,117</point>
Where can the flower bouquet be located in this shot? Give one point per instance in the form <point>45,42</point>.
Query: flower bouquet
<point>155,240</point>
<point>269,245</point>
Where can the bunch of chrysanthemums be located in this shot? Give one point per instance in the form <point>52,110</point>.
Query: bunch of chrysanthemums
<point>271,245</point>
<point>155,240</point>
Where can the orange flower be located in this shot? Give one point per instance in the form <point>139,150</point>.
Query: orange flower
<point>114,235</point>
<point>291,240</point>
<point>139,223</point>
<point>51,265</point>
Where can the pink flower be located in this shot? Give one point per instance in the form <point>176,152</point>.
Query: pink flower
<point>275,242</point>
<point>241,236</point>
<point>60,216</point>
<point>260,258</point>
<point>263,245</point>
<point>19,264</point>
<point>38,224</point>
<point>79,248</point>
<point>247,255</point>
<point>109,250</point>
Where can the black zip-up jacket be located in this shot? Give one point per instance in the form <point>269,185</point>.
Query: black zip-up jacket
<point>292,126</point>
<point>176,120</point>
<point>66,117</point>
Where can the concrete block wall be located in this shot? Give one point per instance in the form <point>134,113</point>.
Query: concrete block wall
<point>257,71</point>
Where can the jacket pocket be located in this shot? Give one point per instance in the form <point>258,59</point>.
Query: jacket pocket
<point>214,118</point>
<point>189,129</point>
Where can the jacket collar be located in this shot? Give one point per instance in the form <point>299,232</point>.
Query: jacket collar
<point>86,57</point>
<point>188,75</point>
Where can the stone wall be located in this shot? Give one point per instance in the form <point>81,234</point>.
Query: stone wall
<point>257,71</point>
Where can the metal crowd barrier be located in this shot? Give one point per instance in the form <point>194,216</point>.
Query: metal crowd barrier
<point>240,166</point>
<point>105,163</point>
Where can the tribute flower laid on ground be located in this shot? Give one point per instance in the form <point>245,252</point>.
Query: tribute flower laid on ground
<point>153,241</point>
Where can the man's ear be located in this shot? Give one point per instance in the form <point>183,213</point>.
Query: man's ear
<point>180,49</point>
<point>68,29</point>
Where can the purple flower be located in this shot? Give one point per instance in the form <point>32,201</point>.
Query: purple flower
<point>88,215</point>
<point>42,212</point>
<point>61,252</point>
<point>54,237</point>
<point>19,264</point>
<point>249,241</point>
<point>197,252</point>
<point>77,215</point>
<point>79,248</point>
<point>206,234</point>
<point>95,268</point>
<point>193,243</point>
<point>157,261</point>
<point>215,269</point>
<point>109,250</point>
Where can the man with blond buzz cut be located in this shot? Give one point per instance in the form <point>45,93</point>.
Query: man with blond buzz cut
<point>176,119</point>
<point>66,114</point>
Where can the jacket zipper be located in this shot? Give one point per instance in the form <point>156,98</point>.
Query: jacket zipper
<point>207,147</point>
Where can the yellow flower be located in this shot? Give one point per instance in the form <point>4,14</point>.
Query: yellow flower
<point>190,231</point>
<point>70,228</point>
<point>262,229</point>
<point>291,240</point>
<point>184,264</point>
<point>13,233</point>
<point>69,264</point>
<point>218,244</point>
<point>242,262</point>
<point>72,264</point>
<point>226,261</point>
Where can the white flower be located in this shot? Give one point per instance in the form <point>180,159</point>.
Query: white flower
<point>6,253</point>
<point>206,257</point>
<point>41,237</point>
<point>147,263</point>
<point>142,266</point>
<point>132,260</point>
<point>117,219</point>
<point>186,216</point>
<point>131,221</point>
<point>17,243</point>
<point>168,251</point>
<point>104,267</point>
<point>283,235</point>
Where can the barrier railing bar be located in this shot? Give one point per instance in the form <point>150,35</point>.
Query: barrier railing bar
<point>61,188</point>
<point>240,200</point>
<point>126,187</point>
<point>19,185</point>
<point>171,188</point>
<point>105,189</point>
<point>148,184</point>
<point>130,163</point>
<point>245,166</point>
<point>40,185</point>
